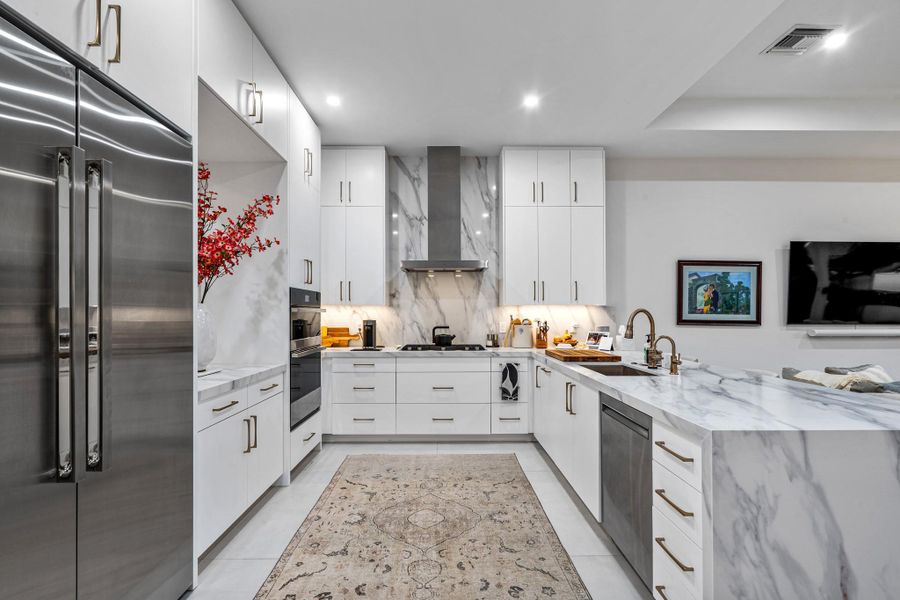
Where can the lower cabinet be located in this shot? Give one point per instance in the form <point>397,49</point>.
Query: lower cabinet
<point>444,419</point>
<point>238,459</point>
<point>305,438</point>
<point>363,419</point>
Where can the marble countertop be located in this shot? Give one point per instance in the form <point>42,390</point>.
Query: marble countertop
<point>223,379</point>
<point>706,398</point>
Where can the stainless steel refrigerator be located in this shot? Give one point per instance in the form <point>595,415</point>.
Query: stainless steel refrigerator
<point>96,372</point>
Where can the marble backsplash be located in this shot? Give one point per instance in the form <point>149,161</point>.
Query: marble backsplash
<point>468,303</point>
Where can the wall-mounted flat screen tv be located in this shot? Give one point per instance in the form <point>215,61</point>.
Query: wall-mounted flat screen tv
<point>844,283</point>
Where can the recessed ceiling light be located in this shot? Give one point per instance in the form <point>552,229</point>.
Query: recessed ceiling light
<point>835,40</point>
<point>531,101</point>
<point>333,100</point>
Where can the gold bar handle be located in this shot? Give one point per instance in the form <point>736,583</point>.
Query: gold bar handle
<point>442,388</point>
<point>368,420</point>
<point>660,589</point>
<point>662,494</point>
<point>98,35</point>
<point>661,542</point>
<point>442,419</point>
<point>510,418</point>
<point>309,437</point>
<point>259,94</point>
<point>252,111</point>
<point>682,458</point>
<point>576,192</point>
<point>533,192</point>
<point>542,192</point>
<point>248,448</point>
<point>363,389</point>
<point>117,57</point>
<point>269,387</point>
<point>255,432</point>
<point>226,407</point>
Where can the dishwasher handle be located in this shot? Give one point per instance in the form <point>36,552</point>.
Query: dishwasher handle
<point>622,419</point>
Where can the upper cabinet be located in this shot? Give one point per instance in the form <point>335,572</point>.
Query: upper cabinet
<point>234,65</point>
<point>354,176</point>
<point>147,47</point>
<point>303,197</point>
<point>554,226</point>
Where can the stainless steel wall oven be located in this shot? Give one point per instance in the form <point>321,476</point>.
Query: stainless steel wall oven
<point>306,355</point>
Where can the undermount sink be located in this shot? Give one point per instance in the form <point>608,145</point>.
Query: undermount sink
<point>617,370</point>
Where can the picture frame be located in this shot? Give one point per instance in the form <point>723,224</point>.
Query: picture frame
<point>719,292</point>
<point>599,340</point>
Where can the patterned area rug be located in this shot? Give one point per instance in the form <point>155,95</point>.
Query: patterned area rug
<point>426,527</point>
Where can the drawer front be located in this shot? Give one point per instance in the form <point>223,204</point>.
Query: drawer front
<point>265,389</point>
<point>444,388</point>
<point>363,388</point>
<point>438,419</point>
<point>673,498</point>
<point>428,364</point>
<point>219,408</point>
<point>679,454</point>
<point>670,547</point>
<point>305,438</point>
<point>363,419</point>
<point>668,585</point>
<point>363,365</point>
<point>510,417</point>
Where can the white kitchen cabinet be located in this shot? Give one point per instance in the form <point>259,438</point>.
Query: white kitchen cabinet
<point>553,177</point>
<point>266,458</point>
<point>303,197</point>
<point>226,53</point>
<point>366,255</point>
<point>444,419</point>
<point>584,445</point>
<point>354,176</point>
<point>334,254</point>
<point>588,173</point>
<point>150,45</point>
<point>364,419</point>
<point>221,487</point>
<point>305,438</point>
<point>444,388</point>
<point>520,255</point>
<point>554,254</point>
<point>520,177</point>
<point>271,114</point>
<point>542,406</point>
<point>588,255</point>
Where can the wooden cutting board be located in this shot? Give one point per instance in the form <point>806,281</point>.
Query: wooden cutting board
<point>573,355</point>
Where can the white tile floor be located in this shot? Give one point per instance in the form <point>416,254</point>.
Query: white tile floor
<point>236,567</point>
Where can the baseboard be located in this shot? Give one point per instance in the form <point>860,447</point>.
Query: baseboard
<point>330,438</point>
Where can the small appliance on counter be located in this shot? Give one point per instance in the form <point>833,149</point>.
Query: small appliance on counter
<point>441,339</point>
<point>519,334</point>
<point>368,334</point>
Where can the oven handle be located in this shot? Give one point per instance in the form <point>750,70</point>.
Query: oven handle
<point>307,309</point>
<point>306,352</point>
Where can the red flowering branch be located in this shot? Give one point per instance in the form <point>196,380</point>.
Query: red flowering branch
<point>222,246</point>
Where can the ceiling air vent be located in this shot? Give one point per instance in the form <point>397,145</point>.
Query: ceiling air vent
<point>798,40</point>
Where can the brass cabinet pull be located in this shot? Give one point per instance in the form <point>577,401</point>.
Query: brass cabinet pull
<point>537,381</point>
<point>442,419</point>
<point>363,364</point>
<point>226,407</point>
<point>349,191</point>
<point>117,9</point>
<point>685,459</point>
<point>306,161</point>
<point>660,590</point>
<point>510,419</point>
<point>662,494</point>
<point>259,118</point>
<point>255,432</point>
<point>269,387</point>
<point>248,448</point>
<point>576,290</point>
<point>534,289</point>
<point>363,389</point>
<point>546,370</point>
<point>543,292</point>
<point>542,192</point>
<point>349,289</point>
<point>576,191</point>
<point>661,542</point>
<point>442,388</point>
<point>342,291</point>
<point>572,399</point>
<point>98,36</point>
<point>568,384</point>
<point>367,420</point>
<point>310,163</point>
<point>533,192</point>
<point>309,437</point>
<point>252,100</point>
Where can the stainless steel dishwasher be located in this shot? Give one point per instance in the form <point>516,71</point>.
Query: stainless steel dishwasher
<point>627,481</point>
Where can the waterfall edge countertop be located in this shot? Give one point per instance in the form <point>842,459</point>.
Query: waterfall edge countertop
<point>706,398</point>
<point>223,379</point>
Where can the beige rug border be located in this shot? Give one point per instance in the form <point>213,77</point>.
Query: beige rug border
<point>567,566</point>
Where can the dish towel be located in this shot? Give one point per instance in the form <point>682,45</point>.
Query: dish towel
<point>509,383</point>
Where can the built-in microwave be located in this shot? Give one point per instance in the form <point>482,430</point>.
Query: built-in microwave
<point>306,355</point>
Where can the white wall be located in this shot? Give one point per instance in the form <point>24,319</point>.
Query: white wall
<point>251,307</point>
<point>653,223</point>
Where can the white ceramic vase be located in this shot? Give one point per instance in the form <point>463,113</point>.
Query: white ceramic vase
<point>206,337</point>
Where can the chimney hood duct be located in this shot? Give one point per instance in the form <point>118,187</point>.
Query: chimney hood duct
<point>444,217</point>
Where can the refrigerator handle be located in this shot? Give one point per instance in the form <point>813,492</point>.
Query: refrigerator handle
<point>99,174</point>
<point>70,342</point>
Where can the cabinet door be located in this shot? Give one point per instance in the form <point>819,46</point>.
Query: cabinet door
<point>72,23</point>
<point>584,446</point>
<point>558,425</point>
<point>520,255</point>
<point>553,177</point>
<point>365,255</point>
<point>555,254</point>
<point>221,478</point>
<point>588,177</point>
<point>305,210</point>
<point>365,176</point>
<point>520,177</point>
<point>334,254</point>
<point>334,177</point>
<point>589,255</point>
<point>541,403</point>
<point>226,56</point>
<point>265,463</point>
<point>271,119</point>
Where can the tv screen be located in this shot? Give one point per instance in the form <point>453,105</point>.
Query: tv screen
<point>844,282</point>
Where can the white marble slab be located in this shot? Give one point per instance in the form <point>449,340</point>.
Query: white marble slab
<point>223,379</point>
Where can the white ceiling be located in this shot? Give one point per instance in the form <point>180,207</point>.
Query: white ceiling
<point>413,73</point>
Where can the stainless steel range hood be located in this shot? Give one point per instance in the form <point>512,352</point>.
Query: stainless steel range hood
<point>444,217</point>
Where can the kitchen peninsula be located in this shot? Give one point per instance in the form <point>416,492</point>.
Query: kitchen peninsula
<point>772,468</point>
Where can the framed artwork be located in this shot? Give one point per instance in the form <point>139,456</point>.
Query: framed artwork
<point>719,292</point>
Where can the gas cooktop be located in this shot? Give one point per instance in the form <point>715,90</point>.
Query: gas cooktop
<point>462,347</point>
